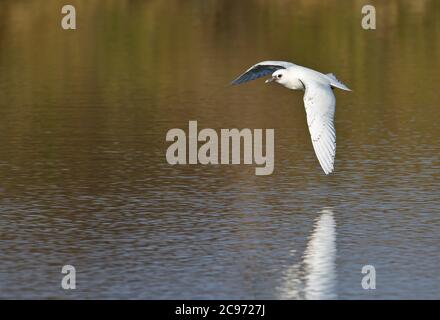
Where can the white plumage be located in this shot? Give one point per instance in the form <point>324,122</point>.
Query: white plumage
<point>319,101</point>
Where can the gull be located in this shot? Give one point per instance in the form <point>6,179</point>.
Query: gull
<point>319,101</point>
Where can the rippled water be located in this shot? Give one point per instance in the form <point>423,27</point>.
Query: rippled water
<point>84,180</point>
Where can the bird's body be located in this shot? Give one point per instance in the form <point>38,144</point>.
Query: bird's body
<point>319,101</point>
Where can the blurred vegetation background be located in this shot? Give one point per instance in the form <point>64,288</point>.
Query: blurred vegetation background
<point>133,69</point>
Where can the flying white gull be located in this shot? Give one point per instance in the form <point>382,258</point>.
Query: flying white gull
<point>319,101</point>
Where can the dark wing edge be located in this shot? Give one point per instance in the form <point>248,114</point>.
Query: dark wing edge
<point>256,72</point>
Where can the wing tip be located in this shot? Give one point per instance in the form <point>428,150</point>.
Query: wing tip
<point>326,163</point>
<point>259,70</point>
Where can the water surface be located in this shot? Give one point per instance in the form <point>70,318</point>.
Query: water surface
<point>84,179</point>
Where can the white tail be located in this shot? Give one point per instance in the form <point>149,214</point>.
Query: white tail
<point>334,82</point>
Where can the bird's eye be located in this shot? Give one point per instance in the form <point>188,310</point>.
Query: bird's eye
<point>279,76</point>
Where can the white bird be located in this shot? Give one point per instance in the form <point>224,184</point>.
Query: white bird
<point>319,101</point>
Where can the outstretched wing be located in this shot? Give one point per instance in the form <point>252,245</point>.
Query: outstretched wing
<point>261,69</point>
<point>320,104</point>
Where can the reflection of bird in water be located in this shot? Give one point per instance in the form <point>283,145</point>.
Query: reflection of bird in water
<point>319,280</point>
<point>319,101</point>
<point>319,259</point>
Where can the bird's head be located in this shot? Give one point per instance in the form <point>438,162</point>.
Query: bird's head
<point>279,76</point>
